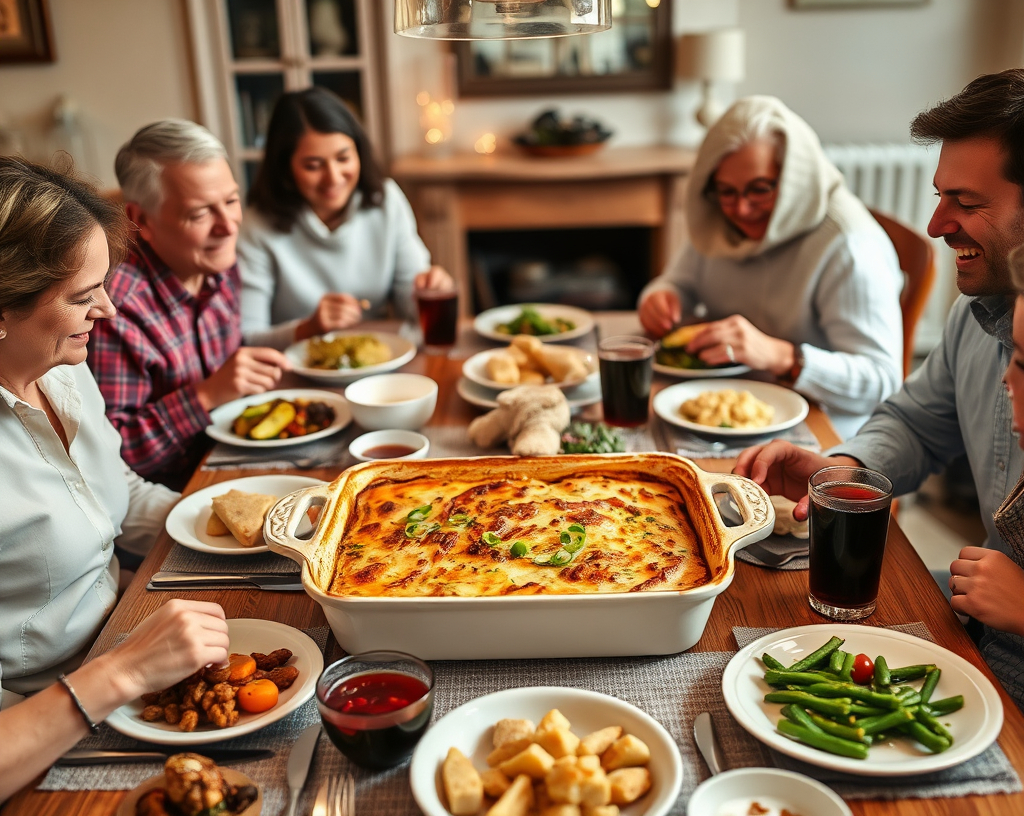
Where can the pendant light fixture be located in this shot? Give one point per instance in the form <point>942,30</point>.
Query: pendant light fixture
<point>500,19</point>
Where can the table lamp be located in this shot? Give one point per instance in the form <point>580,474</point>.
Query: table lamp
<point>711,56</point>
<point>500,19</point>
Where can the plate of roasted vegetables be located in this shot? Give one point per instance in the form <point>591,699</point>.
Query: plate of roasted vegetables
<point>192,783</point>
<point>272,671</point>
<point>341,357</point>
<point>862,700</point>
<point>672,358</point>
<point>548,322</point>
<point>277,418</point>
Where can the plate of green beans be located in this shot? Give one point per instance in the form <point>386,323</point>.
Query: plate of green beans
<point>862,699</point>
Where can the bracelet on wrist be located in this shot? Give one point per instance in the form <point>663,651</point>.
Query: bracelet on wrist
<point>93,727</point>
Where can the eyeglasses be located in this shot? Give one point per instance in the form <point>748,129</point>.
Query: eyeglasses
<point>760,192</point>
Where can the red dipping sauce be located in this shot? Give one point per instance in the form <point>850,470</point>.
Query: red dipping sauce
<point>388,451</point>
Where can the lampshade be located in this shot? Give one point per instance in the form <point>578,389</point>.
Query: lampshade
<point>500,19</point>
<point>711,55</point>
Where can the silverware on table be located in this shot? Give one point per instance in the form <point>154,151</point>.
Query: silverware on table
<point>777,557</point>
<point>704,736</point>
<point>320,803</point>
<point>298,764</point>
<point>281,581</point>
<point>345,797</point>
<point>108,757</point>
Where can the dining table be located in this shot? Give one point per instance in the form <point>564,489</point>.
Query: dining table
<point>758,598</point>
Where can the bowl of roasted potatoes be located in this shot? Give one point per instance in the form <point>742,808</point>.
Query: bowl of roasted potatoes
<point>528,361</point>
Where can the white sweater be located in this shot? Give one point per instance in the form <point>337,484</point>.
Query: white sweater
<point>375,254</point>
<point>825,277</point>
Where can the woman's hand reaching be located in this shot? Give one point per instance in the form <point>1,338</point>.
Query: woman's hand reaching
<point>434,278</point>
<point>983,582</point>
<point>660,312</point>
<point>334,312</point>
<point>736,340</point>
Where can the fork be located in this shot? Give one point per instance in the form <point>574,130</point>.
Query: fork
<point>773,558</point>
<point>341,800</point>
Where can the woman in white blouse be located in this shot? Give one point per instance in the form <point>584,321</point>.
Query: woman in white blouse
<point>67,495</point>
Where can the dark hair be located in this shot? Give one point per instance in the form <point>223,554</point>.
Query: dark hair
<point>274,193</point>
<point>990,106</point>
<point>46,218</point>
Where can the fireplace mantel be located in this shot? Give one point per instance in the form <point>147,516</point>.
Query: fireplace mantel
<point>616,187</point>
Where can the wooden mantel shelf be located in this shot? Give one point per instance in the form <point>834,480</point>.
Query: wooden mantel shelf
<point>616,187</point>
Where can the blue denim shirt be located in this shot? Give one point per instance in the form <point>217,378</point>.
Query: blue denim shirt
<point>954,403</point>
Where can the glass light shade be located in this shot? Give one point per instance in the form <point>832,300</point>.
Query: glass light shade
<point>500,19</point>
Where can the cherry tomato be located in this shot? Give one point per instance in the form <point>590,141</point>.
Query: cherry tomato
<point>257,696</point>
<point>863,669</point>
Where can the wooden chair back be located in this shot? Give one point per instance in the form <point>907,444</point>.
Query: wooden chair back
<point>916,257</point>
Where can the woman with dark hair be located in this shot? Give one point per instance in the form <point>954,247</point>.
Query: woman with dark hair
<point>325,229</point>
<point>68,497</point>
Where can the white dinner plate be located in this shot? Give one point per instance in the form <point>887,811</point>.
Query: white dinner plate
<point>486,323</point>
<point>247,635</point>
<point>186,523</point>
<point>223,417</point>
<point>974,727</point>
<point>470,728</point>
<point>475,369</point>
<point>790,407</point>
<point>402,351</point>
<point>699,373</point>
<point>580,396</point>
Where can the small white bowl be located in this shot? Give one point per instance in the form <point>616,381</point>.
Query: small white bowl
<point>361,444</point>
<point>389,401</point>
<point>798,793</point>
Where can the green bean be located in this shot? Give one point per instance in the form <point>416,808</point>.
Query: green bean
<point>817,656</point>
<point>835,661</point>
<point>782,678</point>
<point>930,682</point>
<point>860,710</point>
<point>801,717</point>
<point>882,678</point>
<point>852,690</point>
<point>946,705</point>
<point>826,742</point>
<point>847,671</point>
<point>933,742</point>
<point>872,725</point>
<point>933,724</point>
<point>771,663</point>
<point>801,698</point>
<point>910,672</point>
<point>838,729</point>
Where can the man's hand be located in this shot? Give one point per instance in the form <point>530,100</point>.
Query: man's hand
<point>434,278</point>
<point>334,312</point>
<point>749,346</point>
<point>985,584</point>
<point>660,312</point>
<point>783,469</point>
<point>247,371</point>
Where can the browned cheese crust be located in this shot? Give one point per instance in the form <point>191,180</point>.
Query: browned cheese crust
<point>639,537</point>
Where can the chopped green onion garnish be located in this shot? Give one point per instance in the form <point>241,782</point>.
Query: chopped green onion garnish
<point>420,513</point>
<point>491,539</point>
<point>459,520</point>
<point>519,549</point>
<point>419,529</point>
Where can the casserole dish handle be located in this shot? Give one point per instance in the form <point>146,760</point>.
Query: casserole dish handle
<point>754,505</point>
<point>284,518</point>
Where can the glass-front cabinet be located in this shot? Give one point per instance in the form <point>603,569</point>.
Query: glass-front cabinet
<point>248,52</point>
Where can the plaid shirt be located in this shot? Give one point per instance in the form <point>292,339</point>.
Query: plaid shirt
<point>149,357</point>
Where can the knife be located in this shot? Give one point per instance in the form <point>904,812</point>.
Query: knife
<point>103,757</point>
<point>704,736</point>
<point>282,581</point>
<point>298,764</point>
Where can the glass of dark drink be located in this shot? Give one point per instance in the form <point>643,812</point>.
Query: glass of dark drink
<point>626,375</point>
<point>849,521</point>
<point>439,318</point>
<point>375,706</point>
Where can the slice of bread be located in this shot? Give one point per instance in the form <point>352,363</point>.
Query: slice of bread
<point>243,514</point>
<point>681,337</point>
<point>214,525</point>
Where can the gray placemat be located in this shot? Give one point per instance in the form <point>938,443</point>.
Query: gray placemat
<point>988,773</point>
<point>331,451</point>
<point>182,559</point>
<point>697,446</point>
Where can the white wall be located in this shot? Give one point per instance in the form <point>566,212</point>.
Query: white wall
<point>123,62</point>
<point>854,74</point>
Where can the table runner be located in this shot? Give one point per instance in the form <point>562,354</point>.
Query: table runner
<point>673,689</point>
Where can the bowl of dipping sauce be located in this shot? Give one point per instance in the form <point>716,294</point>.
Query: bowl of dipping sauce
<point>403,401</point>
<point>390,444</point>
<point>375,706</point>
<point>773,791</point>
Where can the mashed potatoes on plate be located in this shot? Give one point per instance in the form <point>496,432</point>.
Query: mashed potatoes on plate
<point>727,408</point>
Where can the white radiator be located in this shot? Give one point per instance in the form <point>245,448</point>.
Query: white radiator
<point>897,180</point>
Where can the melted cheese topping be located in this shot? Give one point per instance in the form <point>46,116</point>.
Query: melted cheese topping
<point>461,539</point>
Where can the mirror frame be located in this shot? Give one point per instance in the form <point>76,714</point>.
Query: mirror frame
<point>659,77</point>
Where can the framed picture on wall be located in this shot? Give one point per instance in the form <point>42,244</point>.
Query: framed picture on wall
<point>25,31</point>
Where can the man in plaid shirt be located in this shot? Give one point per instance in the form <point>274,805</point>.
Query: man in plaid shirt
<point>173,351</point>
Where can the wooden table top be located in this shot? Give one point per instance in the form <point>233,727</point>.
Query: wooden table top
<point>758,598</point>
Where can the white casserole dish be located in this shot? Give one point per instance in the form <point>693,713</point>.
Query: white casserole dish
<point>526,626</point>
